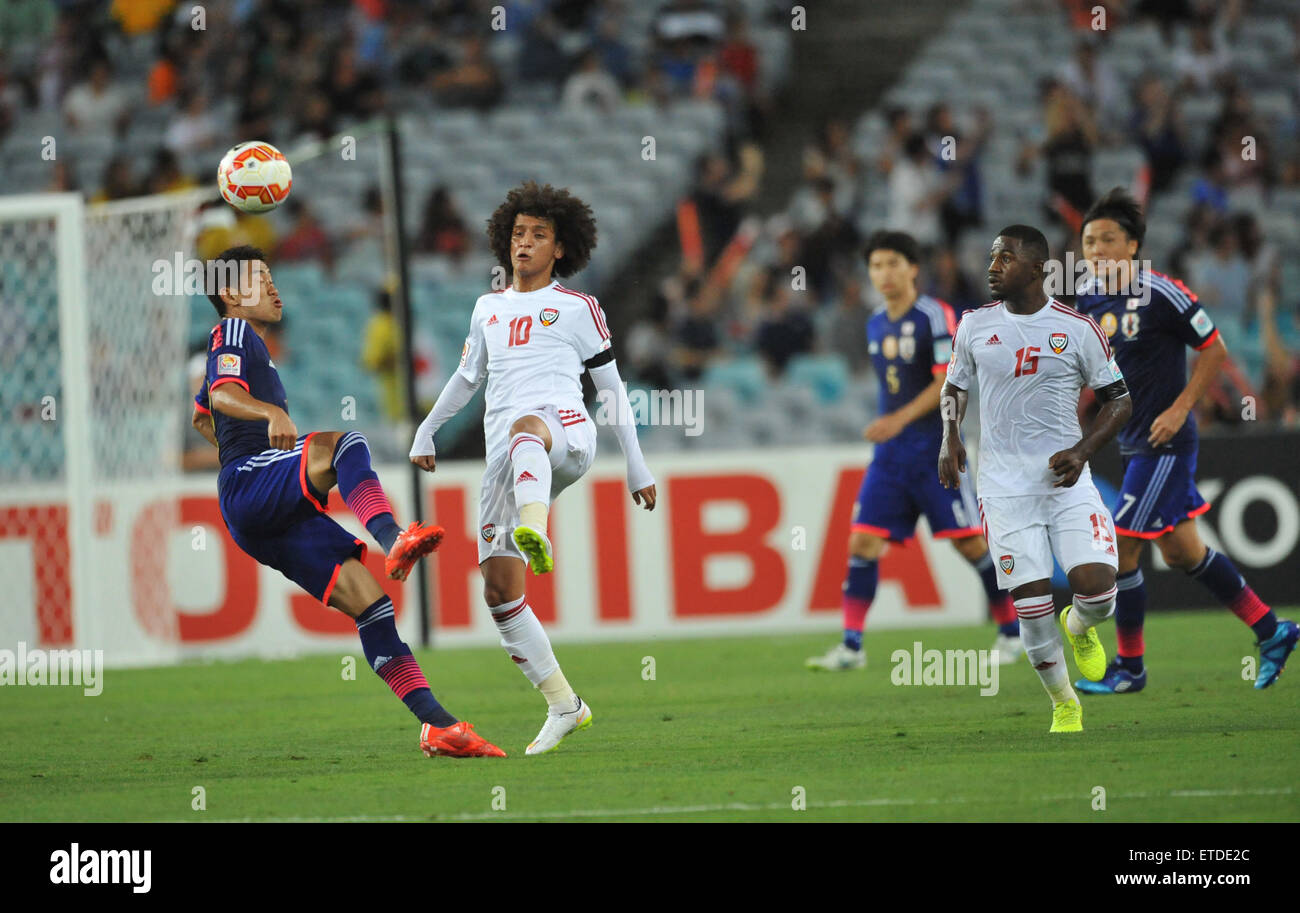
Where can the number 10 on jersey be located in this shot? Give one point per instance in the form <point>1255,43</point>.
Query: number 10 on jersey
<point>520,327</point>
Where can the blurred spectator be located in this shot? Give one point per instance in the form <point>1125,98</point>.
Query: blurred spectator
<point>1221,275</point>
<point>951,285</point>
<point>917,191</point>
<point>721,195</point>
<point>1210,189</point>
<point>898,129</point>
<point>96,105</point>
<point>354,92</point>
<point>370,224</point>
<point>1070,138</point>
<point>846,331</point>
<point>442,229</point>
<point>64,178</point>
<point>832,156</point>
<point>307,238</point>
<point>140,17</point>
<point>830,248</point>
<point>786,330</point>
<point>614,54</point>
<point>472,81</point>
<point>1157,125</point>
<point>649,347</point>
<point>1200,66</point>
<point>958,158</point>
<point>1092,80</point>
<point>1263,260</point>
<point>738,55</point>
<point>590,87</point>
<point>380,351</point>
<point>164,75</point>
<point>696,334</point>
<point>165,175</point>
<point>193,129</point>
<point>119,182</point>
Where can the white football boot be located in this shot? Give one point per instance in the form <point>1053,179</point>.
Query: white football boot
<point>838,658</point>
<point>558,725</point>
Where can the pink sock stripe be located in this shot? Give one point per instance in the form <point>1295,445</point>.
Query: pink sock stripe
<point>855,613</point>
<point>1099,600</point>
<point>403,675</point>
<point>1031,610</point>
<point>368,500</point>
<point>1248,607</point>
<point>525,439</point>
<point>1130,641</point>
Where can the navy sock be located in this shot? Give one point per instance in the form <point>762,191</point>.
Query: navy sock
<point>1222,578</point>
<point>859,589</point>
<point>392,661</point>
<point>360,488</point>
<point>1130,615</point>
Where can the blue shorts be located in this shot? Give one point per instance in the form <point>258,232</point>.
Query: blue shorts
<point>275,515</point>
<point>1158,493</point>
<point>895,493</point>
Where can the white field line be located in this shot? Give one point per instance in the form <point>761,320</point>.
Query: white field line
<point>741,807</point>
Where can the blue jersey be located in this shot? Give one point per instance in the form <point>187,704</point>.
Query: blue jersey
<point>1150,343</point>
<point>237,355</point>
<point>907,354</point>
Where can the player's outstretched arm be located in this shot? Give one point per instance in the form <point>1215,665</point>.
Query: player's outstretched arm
<point>457,393</point>
<point>1116,409</point>
<point>612,395</point>
<point>236,402</point>
<point>952,453</point>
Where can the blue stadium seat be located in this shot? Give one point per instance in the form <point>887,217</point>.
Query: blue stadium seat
<point>826,376</point>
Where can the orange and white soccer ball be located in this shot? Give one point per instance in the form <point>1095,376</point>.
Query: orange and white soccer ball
<point>254,177</point>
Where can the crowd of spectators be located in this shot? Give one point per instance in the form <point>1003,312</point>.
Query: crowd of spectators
<point>801,286</point>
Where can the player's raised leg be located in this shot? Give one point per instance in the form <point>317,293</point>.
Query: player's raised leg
<point>530,461</point>
<point>358,594</point>
<point>343,459</point>
<point>1276,638</point>
<point>526,643</point>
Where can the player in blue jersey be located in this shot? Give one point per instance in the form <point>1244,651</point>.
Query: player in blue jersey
<point>1151,320</point>
<point>910,343</point>
<point>274,485</point>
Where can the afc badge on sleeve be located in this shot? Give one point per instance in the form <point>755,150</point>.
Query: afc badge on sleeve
<point>228,363</point>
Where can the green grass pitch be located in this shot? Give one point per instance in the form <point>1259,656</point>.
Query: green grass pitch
<point>727,730</point>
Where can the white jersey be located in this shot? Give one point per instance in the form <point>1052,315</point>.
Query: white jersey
<point>1030,371</point>
<point>531,347</point>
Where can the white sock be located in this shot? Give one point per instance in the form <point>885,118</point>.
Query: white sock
<point>531,469</point>
<point>525,640</point>
<point>1043,646</point>
<point>1092,610</point>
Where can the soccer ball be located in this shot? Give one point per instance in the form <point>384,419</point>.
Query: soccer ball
<point>254,177</point>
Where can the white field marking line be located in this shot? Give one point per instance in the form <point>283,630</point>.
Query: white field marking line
<point>740,807</point>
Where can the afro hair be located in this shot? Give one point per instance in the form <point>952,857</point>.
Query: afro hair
<point>575,226</point>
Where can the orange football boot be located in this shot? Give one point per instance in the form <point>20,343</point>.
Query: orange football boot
<point>412,544</point>
<point>458,741</point>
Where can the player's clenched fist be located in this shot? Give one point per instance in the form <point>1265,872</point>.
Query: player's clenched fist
<point>424,462</point>
<point>281,431</point>
<point>952,463</point>
<point>1067,464</point>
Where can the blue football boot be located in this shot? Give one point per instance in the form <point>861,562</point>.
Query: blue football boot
<point>1117,680</point>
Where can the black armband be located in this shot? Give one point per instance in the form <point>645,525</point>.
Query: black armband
<point>1117,390</point>
<point>600,358</point>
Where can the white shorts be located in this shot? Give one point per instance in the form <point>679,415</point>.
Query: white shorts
<point>1024,532</point>
<point>573,447</point>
